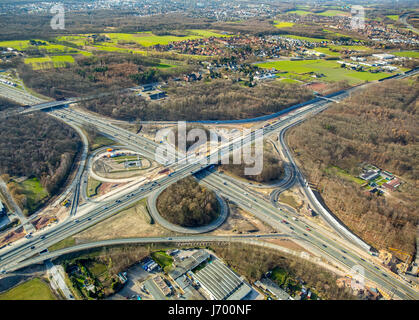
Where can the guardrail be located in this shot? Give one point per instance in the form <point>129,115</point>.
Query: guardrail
<point>336,223</point>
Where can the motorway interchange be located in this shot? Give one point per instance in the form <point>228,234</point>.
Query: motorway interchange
<point>335,244</point>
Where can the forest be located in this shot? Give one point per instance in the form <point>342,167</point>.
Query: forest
<point>378,126</point>
<point>188,204</point>
<point>272,167</point>
<point>253,262</point>
<point>5,104</point>
<point>103,72</point>
<point>36,146</point>
<point>215,100</point>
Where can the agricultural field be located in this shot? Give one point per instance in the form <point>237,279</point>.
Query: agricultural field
<point>331,69</point>
<point>299,12</point>
<point>394,17</point>
<point>49,62</point>
<point>48,47</point>
<point>144,39</point>
<point>328,13</point>
<point>34,289</point>
<point>407,54</point>
<point>332,13</point>
<point>327,51</point>
<point>283,24</point>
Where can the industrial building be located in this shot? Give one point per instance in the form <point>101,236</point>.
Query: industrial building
<point>221,283</point>
<point>185,264</point>
<point>270,286</point>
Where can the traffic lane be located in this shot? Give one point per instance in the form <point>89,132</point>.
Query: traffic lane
<point>338,253</point>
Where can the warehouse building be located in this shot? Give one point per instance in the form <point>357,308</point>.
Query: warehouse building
<point>221,283</point>
<point>187,263</point>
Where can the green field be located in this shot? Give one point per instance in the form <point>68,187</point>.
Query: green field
<point>332,13</point>
<point>299,12</point>
<point>394,17</point>
<point>343,174</point>
<point>287,80</point>
<point>65,243</point>
<point>101,141</point>
<point>331,70</point>
<point>283,24</point>
<point>39,63</point>
<point>328,13</point>
<point>327,51</point>
<point>49,62</point>
<point>34,289</point>
<point>49,47</point>
<point>34,192</point>
<point>145,39</point>
<point>408,54</point>
<point>162,259</point>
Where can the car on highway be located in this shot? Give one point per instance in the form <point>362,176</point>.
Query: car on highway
<point>33,247</point>
<point>77,220</point>
<point>169,238</point>
<point>43,236</point>
<point>324,245</point>
<point>292,228</point>
<point>308,229</point>
<point>306,234</point>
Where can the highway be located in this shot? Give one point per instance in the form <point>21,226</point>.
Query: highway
<point>403,19</point>
<point>102,211</point>
<point>152,207</point>
<point>112,242</point>
<point>11,258</point>
<point>322,240</point>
